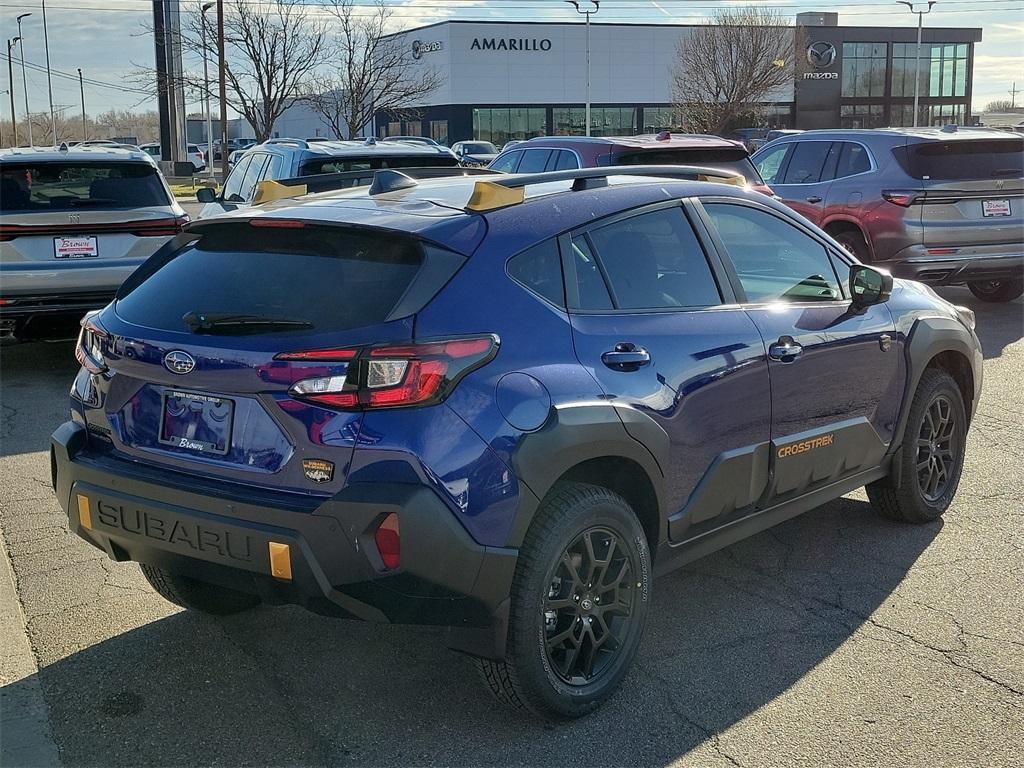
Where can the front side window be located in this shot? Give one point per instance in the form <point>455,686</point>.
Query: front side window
<point>774,260</point>
<point>233,183</point>
<point>654,261</point>
<point>506,163</point>
<point>252,175</point>
<point>534,160</point>
<point>769,163</point>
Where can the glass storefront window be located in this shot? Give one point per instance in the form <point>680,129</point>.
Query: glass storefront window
<point>604,121</point>
<point>439,131</point>
<point>864,69</point>
<point>501,124</point>
<point>943,69</point>
<point>861,116</point>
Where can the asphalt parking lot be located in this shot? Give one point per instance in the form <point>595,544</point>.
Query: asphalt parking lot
<point>835,639</point>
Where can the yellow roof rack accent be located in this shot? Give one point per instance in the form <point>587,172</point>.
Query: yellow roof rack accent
<point>736,181</point>
<point>268,191</point>
<point>488,196</point>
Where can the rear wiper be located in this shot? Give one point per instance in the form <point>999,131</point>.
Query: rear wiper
<point>206,322</point>
<point>1006,172</point>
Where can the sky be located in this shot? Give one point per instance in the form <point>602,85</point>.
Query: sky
<point>108,39</point>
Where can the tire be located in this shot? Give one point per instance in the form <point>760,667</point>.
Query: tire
<point>853,243</point>
<point>548,678</point>
<point>928,483</point>
<point>197,595</point>
<point>997,290</point>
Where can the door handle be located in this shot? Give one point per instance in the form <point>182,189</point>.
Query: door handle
<point>813,199</point>
<point>626,357</point>
<point>785,350</point>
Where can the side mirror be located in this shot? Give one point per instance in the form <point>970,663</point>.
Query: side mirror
<point>206,194</point>
<point>869,285</point>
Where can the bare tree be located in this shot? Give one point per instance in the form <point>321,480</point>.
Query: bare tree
<point>1001,105</point>
<point>725,71</point>
<point>368,70</point>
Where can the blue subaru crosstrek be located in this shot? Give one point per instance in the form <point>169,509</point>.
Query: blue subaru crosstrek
<point>501,405</point>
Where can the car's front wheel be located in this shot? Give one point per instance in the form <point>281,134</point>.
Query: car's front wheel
<point>997,290</point>
<point>578,605</point>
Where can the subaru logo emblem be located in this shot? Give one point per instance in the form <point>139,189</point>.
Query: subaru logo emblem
<point>821,55</point>
<point>179,362</point>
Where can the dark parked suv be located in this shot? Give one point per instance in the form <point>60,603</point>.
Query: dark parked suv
<point>556,153</point>
<point>502,406</point>
<point>943,206</point>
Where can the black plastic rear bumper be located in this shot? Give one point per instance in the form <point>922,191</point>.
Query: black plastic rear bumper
<point>154,517</point>
<point>954,271</point>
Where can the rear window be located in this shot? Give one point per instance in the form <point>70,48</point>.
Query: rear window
<point>327,278</point>
<point>726,159</point>
<point>342,164</point>
<point>964,160</point>
<point>73,186</point>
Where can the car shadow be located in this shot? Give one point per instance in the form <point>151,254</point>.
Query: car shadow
<point>999,325</point>
<point>725,636</point>
<point>34,381</point>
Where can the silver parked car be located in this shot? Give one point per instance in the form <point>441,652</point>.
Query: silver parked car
<point>74,223</point>
<point>941,205</point>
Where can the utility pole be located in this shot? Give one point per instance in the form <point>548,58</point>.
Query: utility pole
<point>917,55</point>
<point>1013,95</point>
<point>223,93</point>
<point>10,80</point>
<point>49,79</point>
<point>81,90</point>
<point>597,6</point>
<point>24,80</point>
<point>206,91</point>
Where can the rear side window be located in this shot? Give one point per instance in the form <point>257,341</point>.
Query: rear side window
<point>807,163</point>
<point>329,277</point>
<point>654,261</point>
<point>566,161</point>
<point>964,160</point>
<point>540,270</point>
<point>342,164</point>
<point>853,159</point>
<point>732,159</point>
<point>79,186</point>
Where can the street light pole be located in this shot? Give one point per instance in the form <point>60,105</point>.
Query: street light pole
<point>24,80</point>
<point>81,90</point>
<point>49,79</point>
<point>10,79</point>
<point>597,6</point>
<point>206,91</point>
<point>223,92</point>
<point>917,55</point>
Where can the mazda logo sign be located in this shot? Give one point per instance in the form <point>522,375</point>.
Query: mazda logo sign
<point>419,47</point>
<point>179,362</point>
<point>821,55</point>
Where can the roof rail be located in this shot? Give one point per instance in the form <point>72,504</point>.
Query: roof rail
<point>297,142</point>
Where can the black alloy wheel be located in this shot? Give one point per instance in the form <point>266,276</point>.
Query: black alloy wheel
<point>937,454</point>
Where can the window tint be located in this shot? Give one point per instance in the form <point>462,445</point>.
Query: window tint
<point>506,162</point>
<point>234,181</point>
<point>77,187</point>
<point>853,159</point>
<point>964,159</point>
<point>566,161</point>
<point>534,160</point>
<point>540,270</point>
<point>807,162</point>
<point>331,277</point>
<point>769,164</point>
<point>654,261</point>
<point>774,260</point>
<point>591,286</point>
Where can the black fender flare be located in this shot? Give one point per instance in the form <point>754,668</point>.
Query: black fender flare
<point>577,433</point>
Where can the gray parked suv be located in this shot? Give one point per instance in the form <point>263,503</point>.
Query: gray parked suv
<point>943,206</point>
<point>74,223</point>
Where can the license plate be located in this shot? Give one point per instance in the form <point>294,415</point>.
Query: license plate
<point>197,423</point>
<point>75,247</point>
<point>995,207</point>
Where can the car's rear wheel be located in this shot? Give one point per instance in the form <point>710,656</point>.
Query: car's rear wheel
<point>578,605</point>
<point>997,290</point>
<point>197,595</point>
<point>931,457</point>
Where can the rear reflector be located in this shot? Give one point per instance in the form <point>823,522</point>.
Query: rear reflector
<point>942,251</point>
<point>280,560</point>
<point>84,513</point>
<point>388,541</point>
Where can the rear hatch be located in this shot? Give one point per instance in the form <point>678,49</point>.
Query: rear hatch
<point>95,212</point>
<point>205,347</point>
<point>971,196</point>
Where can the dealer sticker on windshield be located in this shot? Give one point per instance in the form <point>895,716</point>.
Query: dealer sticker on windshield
<point>75,247</point>
<point>995,207</point>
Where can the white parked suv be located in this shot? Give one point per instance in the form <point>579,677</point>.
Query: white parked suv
<point>196,155</point>
<point>74,223</point>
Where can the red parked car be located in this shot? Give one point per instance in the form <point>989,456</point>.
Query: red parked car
<point>557,153</point>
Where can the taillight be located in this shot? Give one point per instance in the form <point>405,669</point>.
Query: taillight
<point>89,350</point>
<point>388,541</point>
<point>901,197</point>
<point>390,376</point>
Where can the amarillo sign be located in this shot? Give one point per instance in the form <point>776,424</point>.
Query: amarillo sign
<point>510,44</point>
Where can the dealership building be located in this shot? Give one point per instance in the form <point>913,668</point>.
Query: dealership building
<point>503,80</point>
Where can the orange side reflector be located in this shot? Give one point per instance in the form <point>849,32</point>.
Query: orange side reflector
<point>280,561</point>
<point>84,513</point>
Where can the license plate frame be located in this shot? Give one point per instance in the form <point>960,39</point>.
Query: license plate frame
<point>202,417</point>
<point>996,208</point>
<point>76,247</point>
